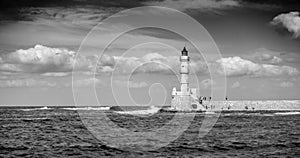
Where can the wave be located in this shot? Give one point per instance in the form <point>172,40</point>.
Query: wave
<point>27,118</point>
<point>287,113</point>
<point>69,108</point>
<point>32,109</point>
<point>88,108</point>
<point>242,113</point>
<point>209,112</point>
<point>264,114</point>
<point>151,110</point>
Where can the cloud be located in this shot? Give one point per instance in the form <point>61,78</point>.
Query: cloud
<point>196,4</point>
<point>267,56</point>
<point>25,83</point>
<point>207,83</point>
<point>149,63</point>
<point>286,84</point>
<point>236,84</point>
<point>85,82</point>
<point>91,81</point>
<point>9,67</point>
<point>271,59</point>
<point>58,62</point>
<point>137,84</point>
<point>73,17</point>
<point>130,84</point>
<point>107,60</point>
<point>42,59</point>
<point>236,66</point>
<point>290,21</point>
<point>55,74</point>
<point>18,10</point>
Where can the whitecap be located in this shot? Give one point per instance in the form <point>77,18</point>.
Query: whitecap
<point>32,109</point>
<point>287,113</point>
<point>151,110</point>
<point>89,108</point>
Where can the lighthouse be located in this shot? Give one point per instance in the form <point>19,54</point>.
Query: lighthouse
<point>185,99</point>
<point>184,70</point>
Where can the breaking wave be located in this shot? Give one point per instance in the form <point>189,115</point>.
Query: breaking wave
<point>88,108</point>
<point>41,108</point>
<point>150,110</point>
<point>287,113</point>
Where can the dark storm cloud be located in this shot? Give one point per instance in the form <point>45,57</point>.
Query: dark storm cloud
<point>283,3</point>
<point>158,33</point>
<point>16,9</point>
<point>68,3</point>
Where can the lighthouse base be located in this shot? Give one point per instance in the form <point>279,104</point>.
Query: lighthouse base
<point>185,101</point>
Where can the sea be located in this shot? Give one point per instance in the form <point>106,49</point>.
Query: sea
<point>59,131</point>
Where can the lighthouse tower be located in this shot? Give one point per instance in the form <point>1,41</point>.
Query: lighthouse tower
<point>185,99</point>
<point>184,71</point>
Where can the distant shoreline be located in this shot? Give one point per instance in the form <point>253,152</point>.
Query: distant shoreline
<point>42,105</point>
<point>247,105</point>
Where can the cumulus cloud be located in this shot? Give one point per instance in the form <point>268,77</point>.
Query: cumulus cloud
<point>286,84</point>
<point>25,83</point>
<point>236,84</point>
<point>59,62</point>
<point>195,4</point>
<point>42,59</point>
<point>275,60</point>
<point>149,63</point>
<point>290,21</point>
<point>236,66</point>
<point>267,56</point>
<point>107,60</point>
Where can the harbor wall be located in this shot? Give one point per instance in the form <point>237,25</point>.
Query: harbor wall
<point>254,105</point>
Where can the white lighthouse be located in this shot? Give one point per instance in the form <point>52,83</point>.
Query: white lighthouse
<point>185,99</point>
<point>184,70</point>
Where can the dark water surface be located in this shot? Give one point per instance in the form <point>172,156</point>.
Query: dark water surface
<point>59,132</point>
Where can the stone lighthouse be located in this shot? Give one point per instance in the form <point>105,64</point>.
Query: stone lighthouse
<point>186,98</point>
<point>184,71</point>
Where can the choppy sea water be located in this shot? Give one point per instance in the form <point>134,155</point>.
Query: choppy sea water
<point>59,132</point>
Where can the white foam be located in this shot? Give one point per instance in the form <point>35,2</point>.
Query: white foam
<point>209,112</point>
<point>151,110</point>
<point>89,108</point>
<point>32,109</point>
<point>287,113</point>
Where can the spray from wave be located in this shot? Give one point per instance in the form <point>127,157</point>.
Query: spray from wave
<point>88,108</point>
<point>150,110</point>
<point>41,108</point>
<point>287,113</point>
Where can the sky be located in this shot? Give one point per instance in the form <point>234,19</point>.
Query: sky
<point>51,52</point>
